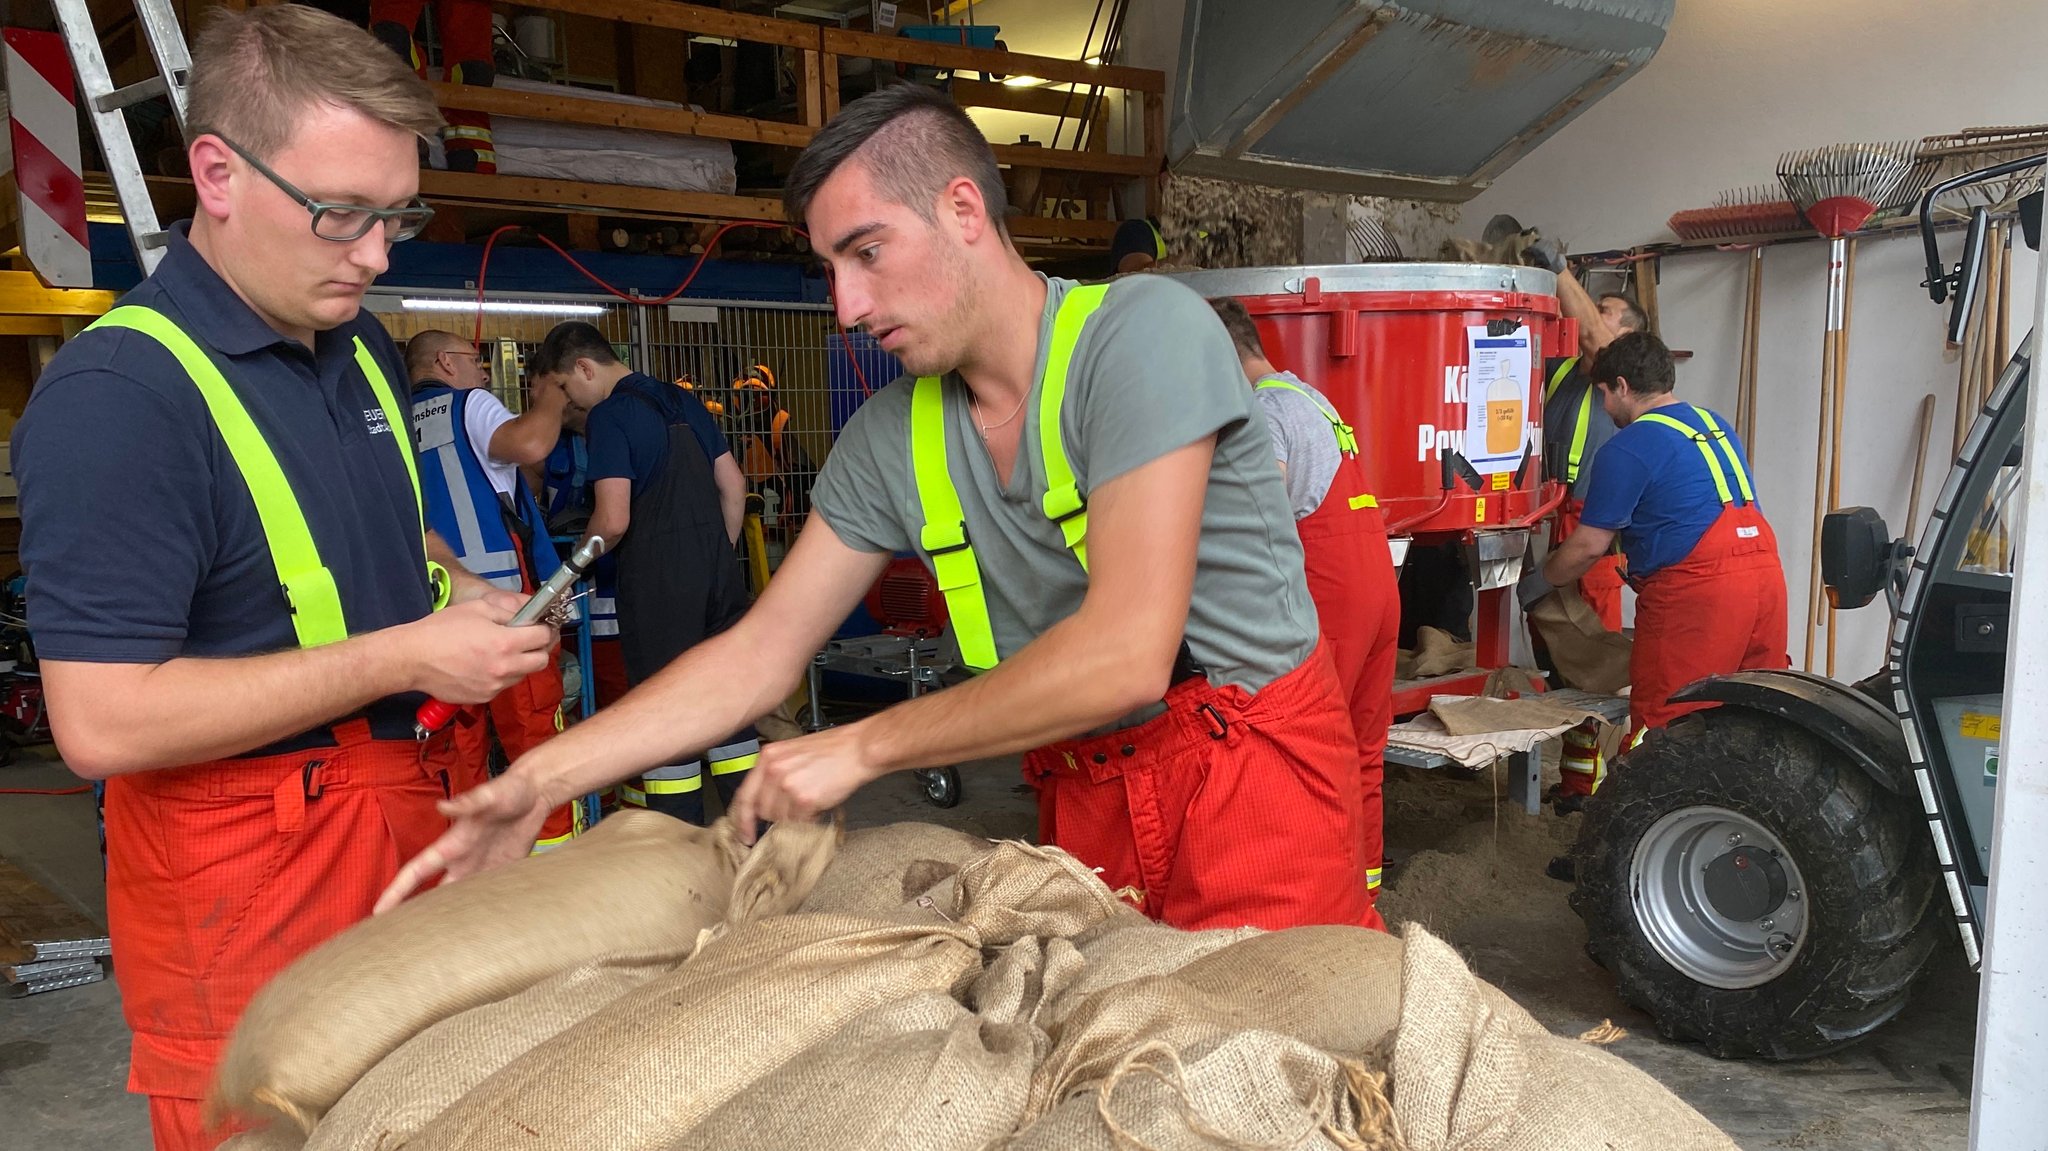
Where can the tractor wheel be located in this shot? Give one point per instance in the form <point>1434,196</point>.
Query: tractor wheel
<point>1751,888</point>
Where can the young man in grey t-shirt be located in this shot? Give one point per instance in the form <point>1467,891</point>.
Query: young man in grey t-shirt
<point>1091,482</point>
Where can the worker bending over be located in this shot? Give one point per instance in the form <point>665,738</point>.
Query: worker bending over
<point>1674,485</point>
<point>471,449</point>
<point>1089,478</point>
<point>229,579</point>
<point>668,501</point>
<point>1344,552</point>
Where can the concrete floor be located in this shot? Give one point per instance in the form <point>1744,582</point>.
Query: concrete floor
<point>1464,864</point>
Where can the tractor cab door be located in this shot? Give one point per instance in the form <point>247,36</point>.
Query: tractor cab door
<point>1948,644</point>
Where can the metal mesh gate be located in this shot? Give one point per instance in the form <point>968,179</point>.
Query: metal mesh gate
<point>778,377</point>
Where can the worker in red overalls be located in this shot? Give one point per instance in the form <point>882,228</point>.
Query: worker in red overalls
<point>463,30</point>
<point>230,580</point>
<point>1086,474</point>
<point>1674,487</point>
<point>1344,550</point>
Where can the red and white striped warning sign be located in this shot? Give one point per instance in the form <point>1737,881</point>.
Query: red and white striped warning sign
<point>43,129</point>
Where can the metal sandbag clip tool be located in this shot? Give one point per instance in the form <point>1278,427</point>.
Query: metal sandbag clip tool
<point>434,715</point>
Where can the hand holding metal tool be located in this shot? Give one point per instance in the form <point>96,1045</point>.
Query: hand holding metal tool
<point>434,715</point>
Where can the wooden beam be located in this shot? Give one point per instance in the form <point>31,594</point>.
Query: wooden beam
<point>830,63</point>
<point>575,196</point>
<point>1043,228</point>
<point>810,89</point>
<point>582,231</point>
<point>21,294</point>
<point>32,326</point>
<point>1067,160</point>
<point>1155,145</point>
<point>1265,121</point>
<point>1038,101</point>
<point>842,42</point>
<point>570,108</point>
<point>695,19</point>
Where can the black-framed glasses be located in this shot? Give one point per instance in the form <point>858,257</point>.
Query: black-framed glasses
<point>345,223</point>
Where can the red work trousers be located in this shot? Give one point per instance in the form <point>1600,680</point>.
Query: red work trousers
<point>1358,600</point>
<point>1228,809</point>
<point>1720,609</point>
<point>525,715</point>
<point>220,874</point>
<point>608,669</point>
<point>1601,586</point>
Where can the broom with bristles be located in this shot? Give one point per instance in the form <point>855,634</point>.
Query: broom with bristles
<point>1740,214</point>
<point>1840,187</point>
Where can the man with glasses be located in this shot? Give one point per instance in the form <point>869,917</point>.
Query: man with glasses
<point>230,577</point>
<point>471,449</point>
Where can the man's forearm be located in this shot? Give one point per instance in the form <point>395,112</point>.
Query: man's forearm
<point>734,505</point>
<point>463,585</point>
<point>1595,332</point>
<point>191,710</point>
<point>1572,559</point>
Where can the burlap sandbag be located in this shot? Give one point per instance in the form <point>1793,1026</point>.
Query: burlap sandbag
<point>652,1064</point>
<point>1133,948</point>
<point>276,1137</point>
<point>879,869</point>
<point>1438,652</point>
<point>1014,890</point>
<point>637,889</point>
<point>892,1078</point>
<point>433,1069</point>
<point>1479,715</point>
<point>1334,988</point>
<point>1474,1072</point>
<point>1240,1091</point>
<point>1586,655</point>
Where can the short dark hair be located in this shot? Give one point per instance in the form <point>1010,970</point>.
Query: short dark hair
<point>1238,323</point>
<point>912,140</point>
<point>568,342</point>
<point>1641,359</point>
<point>1632,314</point>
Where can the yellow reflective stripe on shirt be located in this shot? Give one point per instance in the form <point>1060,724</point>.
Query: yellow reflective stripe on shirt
<point>944,535</point>
<point>401,431</point>
<point>1347,439</point>
<point>1158,241</point>
<point>1728,450</point>
<point>1700,440</point>
<point>1063,503</point>
<point>1564,368</point>
<point>309,586</point>
<point>1577,454</point>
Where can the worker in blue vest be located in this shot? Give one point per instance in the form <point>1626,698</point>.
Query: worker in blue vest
<point>471,449</point>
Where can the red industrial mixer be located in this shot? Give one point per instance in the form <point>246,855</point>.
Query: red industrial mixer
<point>1404,351</point>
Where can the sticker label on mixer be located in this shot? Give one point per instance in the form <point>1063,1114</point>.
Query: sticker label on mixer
<point>1976,725</point>
<point>1501,481</point>
<point>1497,419</point>
<point>1479,510</point>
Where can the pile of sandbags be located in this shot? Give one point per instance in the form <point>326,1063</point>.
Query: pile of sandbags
<point>940,992</point>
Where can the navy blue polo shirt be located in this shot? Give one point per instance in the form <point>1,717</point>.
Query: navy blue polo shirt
<point>629,437</point>
<point>138,535</point>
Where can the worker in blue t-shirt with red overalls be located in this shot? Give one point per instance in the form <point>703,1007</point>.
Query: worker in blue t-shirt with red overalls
<point>1673,483</point>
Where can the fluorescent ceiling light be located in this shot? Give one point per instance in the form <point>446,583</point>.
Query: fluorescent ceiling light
<point>500,307</point>
<point>1022,82</point>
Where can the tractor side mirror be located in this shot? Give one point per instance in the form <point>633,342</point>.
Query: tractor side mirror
<point>1966,274</point>
<point>1855,556</point>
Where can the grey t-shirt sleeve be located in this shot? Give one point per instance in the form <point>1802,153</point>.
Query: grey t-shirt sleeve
<point>854,490</point>
<point>1154,371</point>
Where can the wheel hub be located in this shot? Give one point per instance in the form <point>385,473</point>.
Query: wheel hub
<point>1719,897</point>
<point>1745,884</point>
